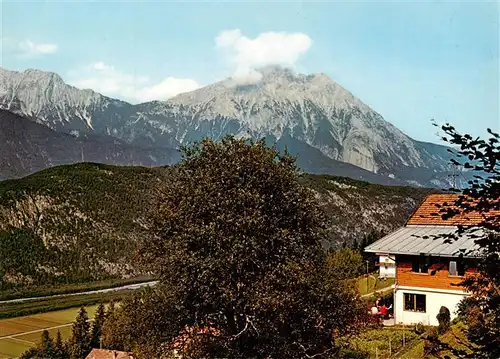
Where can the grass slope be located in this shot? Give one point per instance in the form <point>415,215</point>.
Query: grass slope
<point>373,283</point>
<point>80,223</point>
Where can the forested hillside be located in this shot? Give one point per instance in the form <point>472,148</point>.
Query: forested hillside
<point>82,222</point>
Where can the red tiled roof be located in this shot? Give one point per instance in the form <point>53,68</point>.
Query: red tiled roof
<point>108,354</point>
<point>428,213</point>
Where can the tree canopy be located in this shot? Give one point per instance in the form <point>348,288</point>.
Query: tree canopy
<point>482,311</point>
<point>237,246</point>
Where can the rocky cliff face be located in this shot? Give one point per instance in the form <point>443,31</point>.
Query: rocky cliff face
<point>312,112</point>
<point>83,221</point>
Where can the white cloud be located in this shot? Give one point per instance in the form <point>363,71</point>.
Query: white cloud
<point>105,79</point>
<point>29,48</point>
<point>167,88</point>
<point>268,48</point>
<point>101,66</point>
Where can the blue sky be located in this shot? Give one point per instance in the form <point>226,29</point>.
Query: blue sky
<point>409,61</point>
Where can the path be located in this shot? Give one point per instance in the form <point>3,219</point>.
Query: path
<point>107,290</point>
<point>13,336</point>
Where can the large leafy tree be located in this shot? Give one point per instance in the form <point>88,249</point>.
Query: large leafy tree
<point>237,247</point>
<point>482,195</point>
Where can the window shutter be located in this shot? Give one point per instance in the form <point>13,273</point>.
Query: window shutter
<point>452,269</point>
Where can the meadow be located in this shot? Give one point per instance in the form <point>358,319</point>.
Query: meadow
<point>373,284</point>
<point>18,309</point>
<point>20,333</point>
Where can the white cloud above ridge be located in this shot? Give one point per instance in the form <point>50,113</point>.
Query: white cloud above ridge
<point>243,54</point>
<point>29,48</point>
<point>268,48</point>
<point>109,81</point>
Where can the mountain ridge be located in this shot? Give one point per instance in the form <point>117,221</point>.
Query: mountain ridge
<point>82,222</point>
<point>312,109</point>
<point>27,147</point>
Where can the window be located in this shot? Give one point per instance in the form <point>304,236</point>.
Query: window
<point>457,268</point>
<point>414,302</point>
<point>420,264</point>
<point>452,268</point>
<point>461,268</point>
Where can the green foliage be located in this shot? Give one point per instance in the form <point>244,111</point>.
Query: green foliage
<point>482,195</point>
<point>60,348</point>
<point>47,348</point>
<point>48,290</point>
<point>353,354</point>
<point>419,328</point>
<point>96,333</point>
<point>373,284</point>
<point>344,264</point>
<point>82,340</point>
<point>384,342</point>
<point>444,319</point>
<point>18,309</point>
<point>79,345</point>
<point>140,322</point>
<point>107,206</point>
<point>237,245</point>
<point>21,251</point>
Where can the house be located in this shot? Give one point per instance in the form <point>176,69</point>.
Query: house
<point>108,354</point>
<point>428,271</point>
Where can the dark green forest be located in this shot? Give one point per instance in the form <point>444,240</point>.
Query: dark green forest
<point>81,223</point>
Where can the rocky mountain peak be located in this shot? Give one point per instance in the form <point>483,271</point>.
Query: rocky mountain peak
<point>312,113</point>
<point>277,85</point>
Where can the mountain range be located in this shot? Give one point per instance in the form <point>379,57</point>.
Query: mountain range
<point>329,129</point>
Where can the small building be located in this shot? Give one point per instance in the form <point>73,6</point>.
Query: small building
<point>428,271</point>
<point>109,354</point>
<point>387,266</point>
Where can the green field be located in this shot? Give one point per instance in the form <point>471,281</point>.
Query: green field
<point>47,290</point>
<point>12,310</point>
<point>26,331</point>
<point>373,284</point>
<point>384,342</point>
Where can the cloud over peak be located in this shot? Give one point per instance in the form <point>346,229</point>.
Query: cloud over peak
<point>268,48</point>
<point>106,79</point>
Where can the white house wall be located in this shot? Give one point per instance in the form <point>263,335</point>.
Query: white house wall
<point>434,300</point>
<point>387,266</point>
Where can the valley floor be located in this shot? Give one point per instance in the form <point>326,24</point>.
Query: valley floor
<point>19,334</point>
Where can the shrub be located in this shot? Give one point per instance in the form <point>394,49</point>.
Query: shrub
<point>443,318</point>
<point>432,344</point>
<point>354,354</point>
<point>419,328</point>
